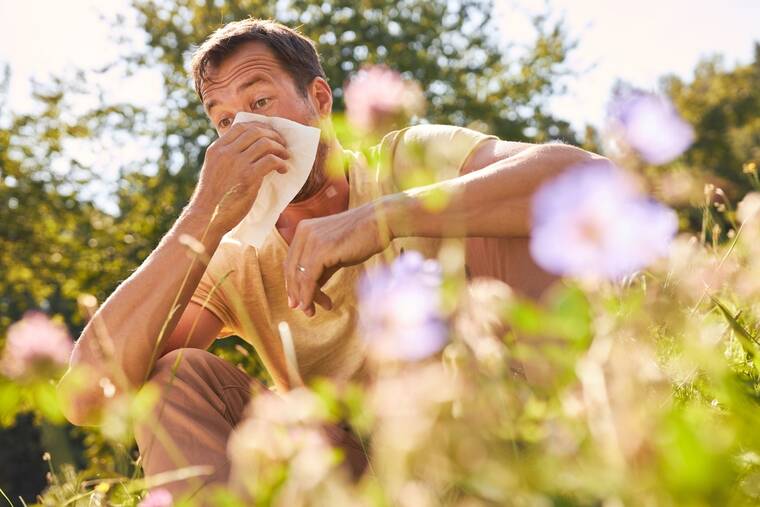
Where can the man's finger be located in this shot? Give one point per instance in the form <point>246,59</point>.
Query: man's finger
<point>253,135</point>
<point>291,269</point>
<point>232,134</point>
<point>306,279</point>
<point>263,146</point>
<point>323,300</point>
<point>319,298</point>
<point>263,166</point>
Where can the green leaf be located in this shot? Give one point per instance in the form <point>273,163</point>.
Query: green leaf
<point>45,400</point>
<point>746,339</point>
<point>570,315</point>
<point>10,398</point>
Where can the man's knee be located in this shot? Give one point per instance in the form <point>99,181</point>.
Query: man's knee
<point>178,363</point>
<point>194,377</point>
<point>173,376</point>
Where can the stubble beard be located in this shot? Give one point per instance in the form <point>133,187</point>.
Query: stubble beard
<point>316,176</point>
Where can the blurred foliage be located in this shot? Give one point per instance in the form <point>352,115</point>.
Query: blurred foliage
<point>723,105</point>
<point>27,477</point>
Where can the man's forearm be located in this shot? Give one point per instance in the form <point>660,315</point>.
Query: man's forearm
<point>124,333</point>
<point>494,201</point>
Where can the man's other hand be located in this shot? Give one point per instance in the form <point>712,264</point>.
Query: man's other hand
<point>321,246</point>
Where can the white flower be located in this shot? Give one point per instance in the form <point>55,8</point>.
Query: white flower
<point>749,207</point>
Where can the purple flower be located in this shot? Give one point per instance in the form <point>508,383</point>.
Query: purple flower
<point>591,221</point>
<point>651,125</point>
<point>399,309</point>
<point>157,498</point>
<point>35,344</point>
<point>377,95</point>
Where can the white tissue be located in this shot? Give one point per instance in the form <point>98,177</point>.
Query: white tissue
<point>277,190</point>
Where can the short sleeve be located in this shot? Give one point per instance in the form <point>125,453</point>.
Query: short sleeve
<point>425,154</point>
<point>212,291</point>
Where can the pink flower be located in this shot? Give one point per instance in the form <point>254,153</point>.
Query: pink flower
<point>592,222</point>
<point>400,309</point>
<point>35,344</point>
<point>157,498</point>
<point>651,125</point>
<point>377,96</point>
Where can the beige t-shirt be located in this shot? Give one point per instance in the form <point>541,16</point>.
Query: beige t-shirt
<point>245,288</point>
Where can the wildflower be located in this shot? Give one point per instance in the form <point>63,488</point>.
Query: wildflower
<point>281,430</point>
<point>399,309</point>
<point>591,221</point>
<point>651,125</point>
<point>35,345</point>
<point>257,444</point>
<point>377,95</point>
<point>749,207</point>
<point>158,498</point>
<point>296,406</point>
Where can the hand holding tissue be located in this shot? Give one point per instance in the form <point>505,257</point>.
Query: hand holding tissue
<point>277,190</point>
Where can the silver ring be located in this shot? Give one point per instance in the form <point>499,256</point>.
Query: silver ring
<point>301,268</point>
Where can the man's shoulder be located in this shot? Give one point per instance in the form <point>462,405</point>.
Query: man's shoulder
<point>429,151</point>
<point>410,134</point>
<point>425,138</point>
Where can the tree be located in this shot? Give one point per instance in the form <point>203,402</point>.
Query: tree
<point>723,105</point>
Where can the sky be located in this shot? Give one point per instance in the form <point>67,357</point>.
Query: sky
<point>638,41</point>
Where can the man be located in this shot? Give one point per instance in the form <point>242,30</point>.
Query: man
<point>304,274</point>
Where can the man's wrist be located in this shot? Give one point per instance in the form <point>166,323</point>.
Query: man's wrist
<point>205,218</point>
<point>398,211</point>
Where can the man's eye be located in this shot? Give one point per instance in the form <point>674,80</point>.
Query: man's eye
<point>261,102</point>
<point>224,123</point>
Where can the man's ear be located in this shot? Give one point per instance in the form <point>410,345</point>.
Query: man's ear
<point>321,94</point>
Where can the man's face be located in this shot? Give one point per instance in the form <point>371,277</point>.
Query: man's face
<point>251,79</point>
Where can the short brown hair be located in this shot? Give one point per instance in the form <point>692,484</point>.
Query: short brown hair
<point>295,52</point>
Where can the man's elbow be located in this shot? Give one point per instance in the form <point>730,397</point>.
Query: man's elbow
<point>80,400</point>
<point>90,383</point>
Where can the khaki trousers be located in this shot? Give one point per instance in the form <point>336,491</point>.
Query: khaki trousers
<point>199,405</point>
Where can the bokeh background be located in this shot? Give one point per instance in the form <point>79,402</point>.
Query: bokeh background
<point>102,137</point>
